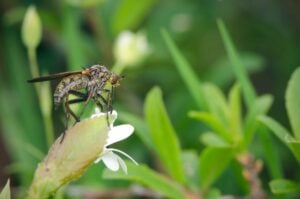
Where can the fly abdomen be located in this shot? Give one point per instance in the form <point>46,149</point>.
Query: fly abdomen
<point>73,82</point>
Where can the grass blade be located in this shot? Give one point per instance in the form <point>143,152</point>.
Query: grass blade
<point>191,81</point>
<point>239,69</point>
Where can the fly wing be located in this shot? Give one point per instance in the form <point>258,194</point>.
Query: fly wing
<point>53,76</point>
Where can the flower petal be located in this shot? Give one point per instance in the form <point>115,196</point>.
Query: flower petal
<point>111,161</point>
<point>119,133</point>
<point>112,117</point>
<point>122,164</point>
<point>125,154</point>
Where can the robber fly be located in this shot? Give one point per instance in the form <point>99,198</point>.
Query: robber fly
<point>88,84</point>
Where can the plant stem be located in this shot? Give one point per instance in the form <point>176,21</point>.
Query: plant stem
<point>46,112</point>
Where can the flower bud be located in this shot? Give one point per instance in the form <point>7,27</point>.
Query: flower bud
<point>70,156</point>
<point>130,49</point>
<point>31,28</point>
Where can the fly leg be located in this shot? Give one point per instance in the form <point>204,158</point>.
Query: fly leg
<point>69,112</point>
<point>83,97</point>
<point>68,102</point>
<point>109,99</point>
<point>87,98</point>
<point>100,99</point>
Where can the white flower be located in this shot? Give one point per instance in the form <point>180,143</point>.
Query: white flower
<point>131,48</point>
<point>111,160</point>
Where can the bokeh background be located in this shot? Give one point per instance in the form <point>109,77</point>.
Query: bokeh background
<point>78,34</point>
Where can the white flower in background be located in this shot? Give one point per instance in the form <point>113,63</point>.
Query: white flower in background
<point>108,155</point>
<point>131,48</point>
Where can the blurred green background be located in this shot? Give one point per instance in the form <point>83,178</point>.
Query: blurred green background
<point>78,34</point>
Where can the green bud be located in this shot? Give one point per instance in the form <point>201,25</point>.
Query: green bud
<point>68,159</point>
<point>31,28</point>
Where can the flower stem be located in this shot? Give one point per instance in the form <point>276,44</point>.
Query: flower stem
<point>46,112</point>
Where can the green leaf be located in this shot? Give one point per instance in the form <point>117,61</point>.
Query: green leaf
<point>130,13</point>
<point>213,194</point>
<point>235,112</point>
<point>142,174</point>
<point>281,186</point>
<point>260,107</point>
<point>163,134</point>
<point>212,139</point>
<point>282,134</point>
<point>270,152</point>
<point>213,122</point>
<point>292,97</point>
<point>280,131</point>
<point>5,193</point>
<point>239,69</point>
<point>216,102</point>
<point>188,76</point>
<point>213,161</point>
<point>295,147</point>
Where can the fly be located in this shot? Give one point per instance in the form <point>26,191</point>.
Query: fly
<point>88,84</point>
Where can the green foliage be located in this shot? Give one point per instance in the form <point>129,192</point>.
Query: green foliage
<point>163,134</point>
<point>249,95</point>
<point>213,161</point>
<point>292,97</point>
<point>71,32</point>
<point>184,157</point>
<point>144,175</point>
<point>281,186</point>
<point>248,90</point>
<point>292,107</point>
<point>283,134</point>
<point>131,14</point>
<point>188,76</point>
<point>140,127</point>
<point>260,107</point>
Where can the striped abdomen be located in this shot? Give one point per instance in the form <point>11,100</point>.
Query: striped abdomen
<point>72,82</point>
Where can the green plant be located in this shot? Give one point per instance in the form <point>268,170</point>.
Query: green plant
<point>291,141</point>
